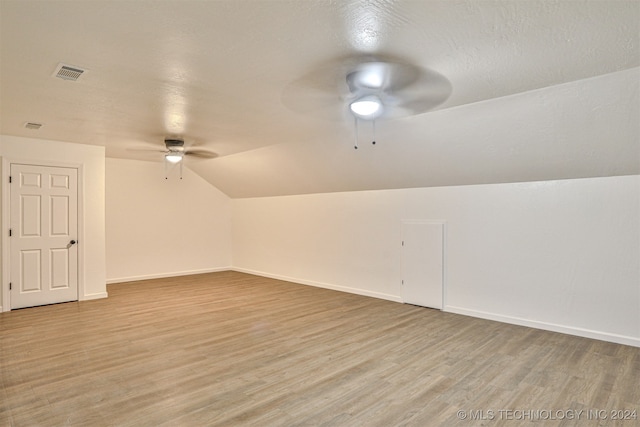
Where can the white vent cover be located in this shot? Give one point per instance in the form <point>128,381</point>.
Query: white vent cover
<point>32,125</point>
<point>68,72</point>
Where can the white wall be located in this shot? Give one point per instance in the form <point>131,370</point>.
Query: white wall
<point>91,160</point>
<point>558,255</point>
<point>159,227</point>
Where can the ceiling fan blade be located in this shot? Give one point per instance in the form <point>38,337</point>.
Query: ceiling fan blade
<point>147,150</point>
<point>200,153</point>
<point>317,94</point>
<point>428,91</point>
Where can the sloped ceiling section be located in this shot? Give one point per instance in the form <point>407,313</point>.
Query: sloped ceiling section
<point>587,128</point>
<point>541,89</point>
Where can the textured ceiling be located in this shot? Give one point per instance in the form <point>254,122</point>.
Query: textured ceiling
<point>541,89</point>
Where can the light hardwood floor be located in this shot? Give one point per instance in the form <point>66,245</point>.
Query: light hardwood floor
<point>229,349</point>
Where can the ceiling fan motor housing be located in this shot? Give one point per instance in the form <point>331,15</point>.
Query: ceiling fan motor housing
<point>173,143</point>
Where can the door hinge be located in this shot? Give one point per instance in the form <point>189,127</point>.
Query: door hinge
<point>9,179</point>
<point>403,243</point>
<point>9,285</point>
<point>9,232</point>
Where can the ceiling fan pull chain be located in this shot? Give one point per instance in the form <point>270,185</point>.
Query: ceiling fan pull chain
<point>181,169</point>
<point>373,124</point>
<point>355,124</point>
<point>166,172</point>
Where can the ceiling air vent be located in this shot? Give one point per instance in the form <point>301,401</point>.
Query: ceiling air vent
<point>68,72</point>
<point>33,126</point>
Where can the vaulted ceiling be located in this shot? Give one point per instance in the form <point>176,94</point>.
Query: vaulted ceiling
<point>541,90</point>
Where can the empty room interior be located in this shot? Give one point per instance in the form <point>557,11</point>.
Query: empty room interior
<point>319,213</point>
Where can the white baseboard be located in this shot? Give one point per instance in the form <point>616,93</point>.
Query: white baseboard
<point>97,295</point>
<point>570,330</point>
<point>163,275</point>
<point>356,291</point>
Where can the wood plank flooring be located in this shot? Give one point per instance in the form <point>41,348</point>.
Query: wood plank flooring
<point>231,349</point>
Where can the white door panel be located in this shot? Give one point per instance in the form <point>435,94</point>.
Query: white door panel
<point>44,222</point>
<point>422,263</point>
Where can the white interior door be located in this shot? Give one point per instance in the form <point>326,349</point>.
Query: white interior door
<point>44,229</point>
<point>422,263</point>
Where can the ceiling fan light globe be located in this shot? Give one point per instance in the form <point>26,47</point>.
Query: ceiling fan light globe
<point>173,157</point>
<point>367,108</point>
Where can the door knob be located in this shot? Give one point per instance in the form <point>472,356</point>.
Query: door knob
<point>73,242</point>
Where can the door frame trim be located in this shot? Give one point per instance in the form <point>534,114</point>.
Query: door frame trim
<point>444,253</point>
<point>6,222</point>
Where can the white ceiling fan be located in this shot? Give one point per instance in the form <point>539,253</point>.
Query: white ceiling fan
<point>400,88</point>
<point>367,88</point>
<point>175,152</point>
